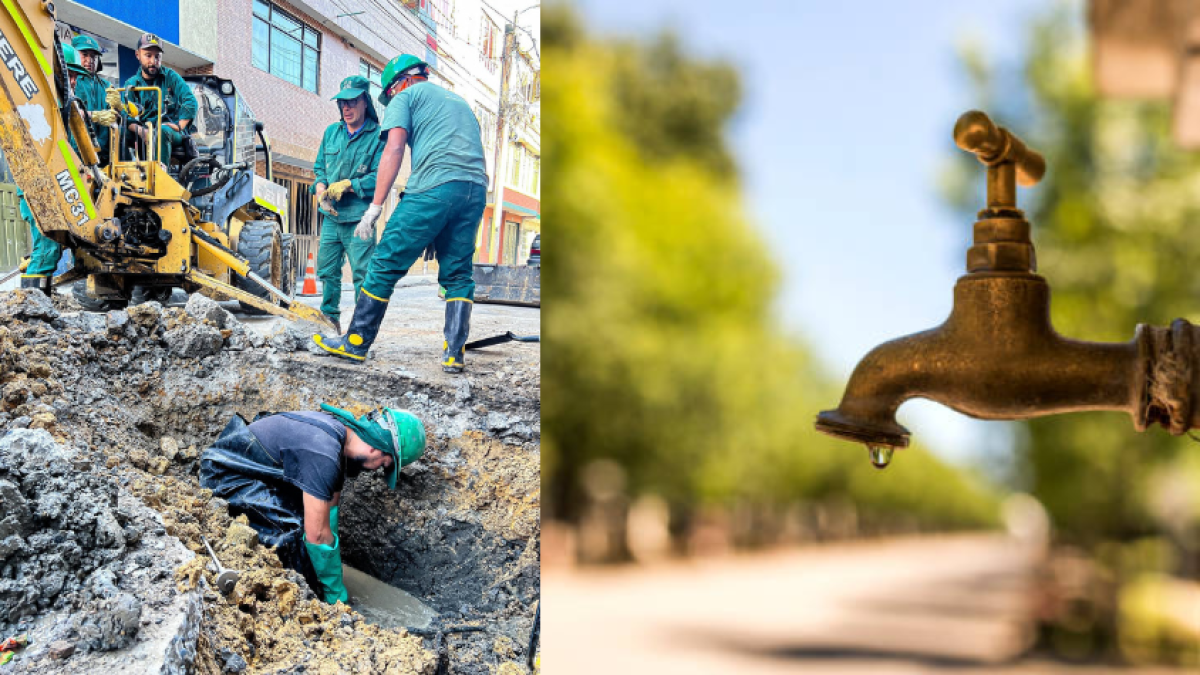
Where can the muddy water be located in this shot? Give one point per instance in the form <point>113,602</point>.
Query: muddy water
<point>383,604</point>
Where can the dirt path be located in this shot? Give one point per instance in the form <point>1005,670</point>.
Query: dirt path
<point>944,605</point>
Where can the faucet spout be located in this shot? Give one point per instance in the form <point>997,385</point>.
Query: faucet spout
<point>997,356</point>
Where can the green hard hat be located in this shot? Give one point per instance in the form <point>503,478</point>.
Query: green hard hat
<point>353,87</point>
<point>394,69</point>
<point>87,43</point>
<point>71,57</point>
<point>399,433</point>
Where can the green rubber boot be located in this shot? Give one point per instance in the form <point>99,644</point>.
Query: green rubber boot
<point>327,563</point>
<point>458,325</point>
<point>368,315</point>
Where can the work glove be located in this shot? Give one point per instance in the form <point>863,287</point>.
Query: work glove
<point>113,98</point>
<point>366,226</point>
<point>327,206</point>
<point>105,118</point>
<point>339,188</point>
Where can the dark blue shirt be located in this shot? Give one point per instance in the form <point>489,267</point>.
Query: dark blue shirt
<point>310,456</point>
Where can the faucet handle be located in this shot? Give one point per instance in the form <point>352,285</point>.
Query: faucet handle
<point>993,145</point>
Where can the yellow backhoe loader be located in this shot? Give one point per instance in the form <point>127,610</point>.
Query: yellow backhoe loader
<point>129,223</point>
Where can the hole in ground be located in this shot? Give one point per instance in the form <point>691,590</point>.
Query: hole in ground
<point>460,532</point>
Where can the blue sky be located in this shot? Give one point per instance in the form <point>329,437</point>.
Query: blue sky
<point>846,124</point>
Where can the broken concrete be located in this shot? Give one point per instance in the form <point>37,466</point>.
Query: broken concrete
<point>133,397</point>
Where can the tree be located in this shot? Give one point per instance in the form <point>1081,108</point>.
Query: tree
<point>661,353</point>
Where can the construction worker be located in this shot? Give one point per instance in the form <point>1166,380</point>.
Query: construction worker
<point>286,471</point>
<point>345,170</point>
<point>46,253</point>
<point>179,104</point>
<point>89,89</point>
<point>443,202</point>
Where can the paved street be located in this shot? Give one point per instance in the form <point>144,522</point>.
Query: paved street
<point>410,340</point>
<point>938,604</point>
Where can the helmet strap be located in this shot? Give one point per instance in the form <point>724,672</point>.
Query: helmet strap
<point>410,81</point>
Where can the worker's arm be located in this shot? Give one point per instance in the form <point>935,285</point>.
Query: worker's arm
<point>389,164</point>
<point>316,521</point>
<point>186,101</point>
<point>324,549</point>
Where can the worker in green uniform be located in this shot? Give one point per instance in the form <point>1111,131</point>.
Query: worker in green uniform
<point>179,104</point>
<point>45,253</point>
<point>345,170</point>
<point>443,203</point>
<point>89,89</point>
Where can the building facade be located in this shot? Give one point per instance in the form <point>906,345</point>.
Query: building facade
<point>288,57</point>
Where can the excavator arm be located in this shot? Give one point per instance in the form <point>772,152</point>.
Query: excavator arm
<point>34,122</point>
<point>73,201</point>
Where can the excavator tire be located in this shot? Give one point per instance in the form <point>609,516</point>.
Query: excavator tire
<point>288,284</point>
<point>260,243</point>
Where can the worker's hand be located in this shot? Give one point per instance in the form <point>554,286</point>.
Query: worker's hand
<point>366,226</point>
<point>132,110</point>
<point>320,191</point>
<point>113,98</point>
<point>105,118</point>
<point>339,188</point>
<point>172,125</point>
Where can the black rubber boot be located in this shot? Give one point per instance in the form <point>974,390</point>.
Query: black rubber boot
<point>368,315</point>
<point>458,325</point>
<point>38,281</point>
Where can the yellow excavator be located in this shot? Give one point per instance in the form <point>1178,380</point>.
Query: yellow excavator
<point>129,223</point>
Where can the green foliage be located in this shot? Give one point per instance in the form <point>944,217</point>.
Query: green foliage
<point>662,353</point>
<point>1111,226</point>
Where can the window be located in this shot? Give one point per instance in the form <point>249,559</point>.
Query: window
<point>489,39</point>
<point>535,175</point>
<point>514,178</point>
<point>285,46</point>
<point>441,11</point>
<point>369,71</point>
<point>487,125</point>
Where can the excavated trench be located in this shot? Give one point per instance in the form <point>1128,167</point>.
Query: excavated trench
<point>129,400</point>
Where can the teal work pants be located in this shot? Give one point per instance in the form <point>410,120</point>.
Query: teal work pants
<point>338,243</point>
<point>46,252</point>
<point>446,216</point>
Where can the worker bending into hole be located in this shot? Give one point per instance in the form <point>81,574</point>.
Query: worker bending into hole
<point>285,471</point>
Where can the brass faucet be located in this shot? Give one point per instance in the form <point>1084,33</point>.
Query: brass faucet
<point>997,357</point>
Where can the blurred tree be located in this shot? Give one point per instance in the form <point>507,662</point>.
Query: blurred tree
<point>662,354</point>
<point>1111,227</point>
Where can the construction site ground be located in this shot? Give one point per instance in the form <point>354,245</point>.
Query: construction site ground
<point>101,514</point>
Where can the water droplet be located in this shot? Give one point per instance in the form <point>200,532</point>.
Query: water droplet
<point>881,455</point>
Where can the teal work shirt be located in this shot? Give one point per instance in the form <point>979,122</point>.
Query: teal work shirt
<point>90,89</point>
<point>443,134</point>
<point>178,101</point>
<point>355,159</point>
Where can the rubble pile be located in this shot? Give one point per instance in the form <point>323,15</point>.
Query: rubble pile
<point>132,397</point>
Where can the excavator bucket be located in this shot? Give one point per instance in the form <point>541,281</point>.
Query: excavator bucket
<point>509,285</point>
<point>33,123</point>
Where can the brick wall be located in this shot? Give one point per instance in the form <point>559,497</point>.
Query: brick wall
<point>295,118</point>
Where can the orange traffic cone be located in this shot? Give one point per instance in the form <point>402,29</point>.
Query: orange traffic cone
<point>310,279</point>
